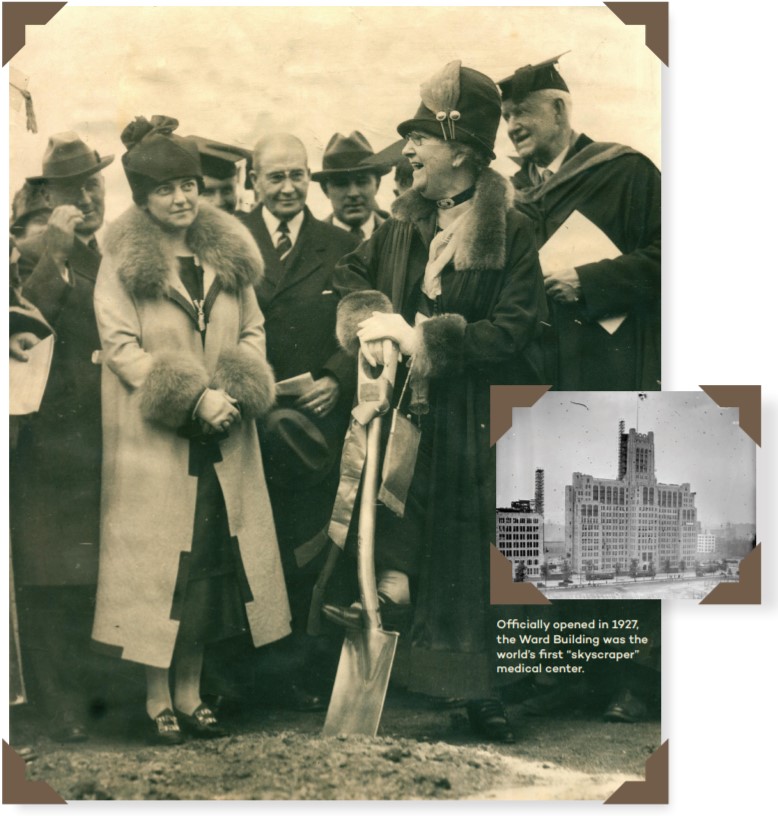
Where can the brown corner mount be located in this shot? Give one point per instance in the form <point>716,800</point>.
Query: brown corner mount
<point>503,590</point>
<point>502,400</point>
<point>748,399</point>
<point>17,789</point>
<point>655,789</point>
<point>655,17</point>
<point>18,15</point>
<point>747,591</point>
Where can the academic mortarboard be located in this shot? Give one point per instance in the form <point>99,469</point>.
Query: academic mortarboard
<point>219,159</point>
<point>531,78</point>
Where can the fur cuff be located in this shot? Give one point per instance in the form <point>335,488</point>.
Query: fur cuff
<point>171,389</point>
<point>440,348</point>
<point>248,378</point>
<point>352,309</point>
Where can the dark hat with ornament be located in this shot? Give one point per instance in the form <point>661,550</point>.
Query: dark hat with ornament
<point>458,104</point>
<point>68,156</point>
<point>155,155</point>
<point>531,78</point>
<point>348,154</point>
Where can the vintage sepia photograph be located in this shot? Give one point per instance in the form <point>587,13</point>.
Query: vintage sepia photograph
<point>265,265</point>
<point>627,495</point>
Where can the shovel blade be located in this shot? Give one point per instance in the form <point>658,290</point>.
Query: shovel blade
<point>361,682</point>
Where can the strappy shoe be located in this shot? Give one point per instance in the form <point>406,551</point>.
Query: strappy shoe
<point>164,729</point>
<point>202,723</point>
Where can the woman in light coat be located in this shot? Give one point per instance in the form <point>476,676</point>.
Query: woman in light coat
<point>188,550</point>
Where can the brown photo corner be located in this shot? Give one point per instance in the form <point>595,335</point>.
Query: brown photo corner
<point>17,789</point>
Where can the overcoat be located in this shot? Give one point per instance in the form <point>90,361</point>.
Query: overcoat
<point>155,366</point>
<point>298,301</point>
<point>55,470</point>
<point>485,333</point>
<point>619,190</point>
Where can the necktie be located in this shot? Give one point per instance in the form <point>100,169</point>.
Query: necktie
<point>358,232</point>
<point>283,242</point>
<point>546,174</point>
<point>92,245</point>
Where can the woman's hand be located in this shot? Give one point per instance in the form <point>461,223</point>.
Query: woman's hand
<point>380,326</point>
<point>218,409</point>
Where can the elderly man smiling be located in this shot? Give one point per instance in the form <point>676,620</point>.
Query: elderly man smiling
<point>605,310</point>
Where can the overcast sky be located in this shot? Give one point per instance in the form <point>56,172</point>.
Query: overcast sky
<point>233,74</point>
<point>695,441</point>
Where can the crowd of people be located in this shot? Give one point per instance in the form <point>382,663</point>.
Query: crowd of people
<point>172,495</point>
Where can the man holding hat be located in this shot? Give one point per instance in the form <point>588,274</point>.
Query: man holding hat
<point>605,311</point>
<point>301,439</point>
<point>460,293</point>
<point>219,162</point>
<point>350,178</point>
<point>55,482</point>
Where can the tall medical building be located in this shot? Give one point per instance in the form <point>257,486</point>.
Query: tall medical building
<point>610,522</point>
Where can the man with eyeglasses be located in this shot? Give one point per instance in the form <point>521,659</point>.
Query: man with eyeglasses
<point>585,198</point>
<point>302,437</point>
<point>55,470</point>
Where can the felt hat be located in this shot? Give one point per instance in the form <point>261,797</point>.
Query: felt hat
<point>458,103</point>
<point>218,159</point>
<point>390,155</point>
<point>68,156</point>
<point>155,154</point>
<point>296,451</point>
<point>348,154</point>
<point>531,78</point>
<point>28,201</point>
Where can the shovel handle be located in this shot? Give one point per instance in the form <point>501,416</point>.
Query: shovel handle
<point>367,509</point>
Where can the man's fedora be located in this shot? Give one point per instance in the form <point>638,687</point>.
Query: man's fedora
<point>68,156</point>
<point>296,451</point>
<point>349,154</point>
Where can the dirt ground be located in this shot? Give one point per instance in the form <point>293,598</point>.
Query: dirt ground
<point>422,752</point>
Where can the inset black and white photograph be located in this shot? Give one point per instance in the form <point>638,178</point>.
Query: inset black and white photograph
<point>626,495</point>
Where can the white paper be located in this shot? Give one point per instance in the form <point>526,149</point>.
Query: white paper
<point>27,379</point>
<point>294,387</point>
<point>579,241</point>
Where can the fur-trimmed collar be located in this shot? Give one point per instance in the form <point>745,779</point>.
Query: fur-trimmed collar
<point>482,243</point>
<point>220,240</point>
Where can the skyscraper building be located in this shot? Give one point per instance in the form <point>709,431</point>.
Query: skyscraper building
<point>611,522</point>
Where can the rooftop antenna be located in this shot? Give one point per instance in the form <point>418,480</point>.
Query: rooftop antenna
<point>641,396</point>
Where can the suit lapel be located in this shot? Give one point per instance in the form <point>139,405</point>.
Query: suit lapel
<point>274,268</point>
<point>84,261</point>
<point>305,257</point>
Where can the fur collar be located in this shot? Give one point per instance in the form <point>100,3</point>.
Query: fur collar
<point>220,240</point>
<point>482,244</point>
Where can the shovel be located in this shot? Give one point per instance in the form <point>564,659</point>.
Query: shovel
<point>367,655</point>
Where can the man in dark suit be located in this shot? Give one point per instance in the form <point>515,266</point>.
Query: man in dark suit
<point>55,475</point>
<point>302,438</point>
